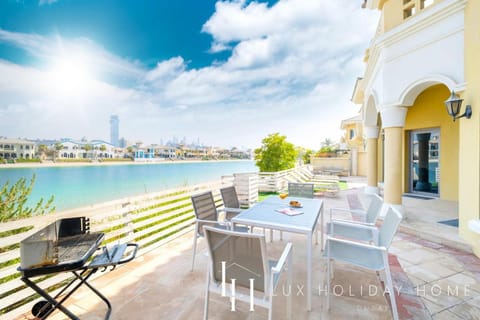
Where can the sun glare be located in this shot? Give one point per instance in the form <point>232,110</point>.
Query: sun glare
<point>69,77</point>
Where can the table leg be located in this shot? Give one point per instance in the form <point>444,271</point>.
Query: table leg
<point>309,272</point>
<point>321,228</point>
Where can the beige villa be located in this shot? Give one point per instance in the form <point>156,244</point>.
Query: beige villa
<point>422,52</point>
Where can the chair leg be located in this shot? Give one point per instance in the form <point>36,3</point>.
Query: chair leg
<point>329,267</point>
<point>194,246</point>
<point>289,286</point>
<point>207,296</point>
<point>388,279</point>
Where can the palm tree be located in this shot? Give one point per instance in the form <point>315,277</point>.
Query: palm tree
<point>87,147</point>
<point>327,142</point>
<point>42,149</point>
<point>103,148</point>
<point>58,146</point>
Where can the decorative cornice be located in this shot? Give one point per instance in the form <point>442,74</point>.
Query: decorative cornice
<point>413,25</point>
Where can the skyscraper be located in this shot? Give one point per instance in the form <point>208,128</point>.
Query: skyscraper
<point>114,130</point>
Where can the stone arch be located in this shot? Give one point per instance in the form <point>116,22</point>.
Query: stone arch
<point>370,112</point>
<point>411,92</point>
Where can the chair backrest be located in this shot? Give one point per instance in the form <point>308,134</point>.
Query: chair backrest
<point>205,209</point>
<point>229,197</point>
<point>389,227</point>
<point>303,190</point>
<point>374,208</point>
<point>244,255</point>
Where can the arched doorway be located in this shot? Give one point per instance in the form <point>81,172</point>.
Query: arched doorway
<point>431,146</point>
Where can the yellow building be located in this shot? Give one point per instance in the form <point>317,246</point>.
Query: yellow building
<point>421,52</point>
<point>354,141</point>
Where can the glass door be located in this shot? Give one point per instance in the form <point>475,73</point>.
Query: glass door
<point>424,161</point>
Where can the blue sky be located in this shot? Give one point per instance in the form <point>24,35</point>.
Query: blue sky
<point>226,72</point>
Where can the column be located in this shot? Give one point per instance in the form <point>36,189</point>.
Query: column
<point>393,121</point>
<point>354,161</point>
<point>371,134</point>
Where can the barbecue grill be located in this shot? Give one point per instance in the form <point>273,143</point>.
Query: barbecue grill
<point>68,246</point>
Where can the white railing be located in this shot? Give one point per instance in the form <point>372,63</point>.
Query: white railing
<point>149,220</point>
<point>278,181</point>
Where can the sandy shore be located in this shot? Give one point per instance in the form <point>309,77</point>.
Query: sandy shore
<point>106,163</point>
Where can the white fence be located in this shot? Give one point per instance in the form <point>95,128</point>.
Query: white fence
<point>149,220</point>
<point>278,181</point>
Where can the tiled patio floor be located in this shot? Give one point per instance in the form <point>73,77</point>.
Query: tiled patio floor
<point>435,281</point>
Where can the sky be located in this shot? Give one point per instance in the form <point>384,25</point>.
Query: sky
<point>225,72</point>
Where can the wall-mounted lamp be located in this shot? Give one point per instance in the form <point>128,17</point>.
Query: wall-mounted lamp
<point>454,104</point>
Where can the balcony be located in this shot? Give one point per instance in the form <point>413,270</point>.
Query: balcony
<point>427,259</point>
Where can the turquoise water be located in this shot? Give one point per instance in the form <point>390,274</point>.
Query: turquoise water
<point>86,185</point>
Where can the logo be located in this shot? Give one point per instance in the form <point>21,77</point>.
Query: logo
<point>233,283</point>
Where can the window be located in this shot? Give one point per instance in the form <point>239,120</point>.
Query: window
<point>426,3</point>
<point>411,7</point>
<point>351,134</point>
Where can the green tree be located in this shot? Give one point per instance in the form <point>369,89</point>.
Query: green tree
<point>42,150</point>
<point>58,147</point>
<point>306,156</point>
<point>327,142</point>
<point>13,201</point>
<point>275,154</point>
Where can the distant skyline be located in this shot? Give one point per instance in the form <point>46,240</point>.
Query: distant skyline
<point>228,72</point>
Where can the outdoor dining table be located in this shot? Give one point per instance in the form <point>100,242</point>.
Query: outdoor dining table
<point>265,215</point>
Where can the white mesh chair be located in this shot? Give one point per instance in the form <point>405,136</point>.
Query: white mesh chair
<point>359,230</point>
<point>369,256</point>
<point>240,260</point>
<point>206,213</point>
<point>230,201</point>
<point>369,216</point>
<point>302,190</point>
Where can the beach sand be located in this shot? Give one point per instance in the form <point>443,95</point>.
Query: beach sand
<point>47,164</point>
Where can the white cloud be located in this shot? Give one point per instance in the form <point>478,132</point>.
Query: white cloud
<point>42,2</point>
<point>292,69</point>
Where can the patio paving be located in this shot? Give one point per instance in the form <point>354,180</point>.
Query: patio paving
<point>433,280</point>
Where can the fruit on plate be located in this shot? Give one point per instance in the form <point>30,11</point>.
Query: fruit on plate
<point>295,203</point>
<point>283,195</point>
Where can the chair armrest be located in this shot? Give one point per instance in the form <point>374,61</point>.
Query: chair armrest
<point>355,243</point>
<point>354,231</point>
<point>283,258</point>
<point>236,210</point>
<point>354,222</point>
<point>213,222</point>
<point>357,211</point>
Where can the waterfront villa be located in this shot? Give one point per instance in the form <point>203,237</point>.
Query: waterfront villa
<point>95,149</point>
<point>423,52</point>
<point>16,149</point>
<point>353,140</point>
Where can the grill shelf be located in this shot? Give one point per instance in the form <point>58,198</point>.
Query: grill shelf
<point>67,246</point>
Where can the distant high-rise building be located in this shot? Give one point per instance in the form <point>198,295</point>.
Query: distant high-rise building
<point>114,130</point>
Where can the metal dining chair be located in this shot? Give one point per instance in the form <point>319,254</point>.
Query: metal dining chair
<point>230,201</point>
<point>366,255</point>
<point>369,216</point>
<point>302,190</point>
<point>240,260</point>
<point>206,213</point>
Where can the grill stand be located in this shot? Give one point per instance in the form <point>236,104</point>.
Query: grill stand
<point>104,260</point>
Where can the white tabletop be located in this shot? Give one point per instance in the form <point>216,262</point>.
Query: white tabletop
<point>265,214</point>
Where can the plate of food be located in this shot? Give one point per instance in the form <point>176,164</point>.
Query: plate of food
<point>295,204</point>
